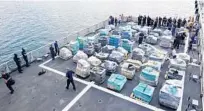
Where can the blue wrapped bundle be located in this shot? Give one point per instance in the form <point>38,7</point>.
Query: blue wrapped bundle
<point>126,35</point>
<point>144,92</point>
<point>114,40</point>
<point>127,45</point>
<point>116,82</point>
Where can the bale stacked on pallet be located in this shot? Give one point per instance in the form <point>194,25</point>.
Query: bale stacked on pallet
<point>149,76</point>
<point>74,47</point>
<point>116,82</point>
<point>114,40</point>
<point>127,45</point>
<point>82,41</point>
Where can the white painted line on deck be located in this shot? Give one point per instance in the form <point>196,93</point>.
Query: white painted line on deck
<point>63,74</point>
<point>48,61</point>
<point>186,43</point>
<point>77,97</point>
<point>104,90</point>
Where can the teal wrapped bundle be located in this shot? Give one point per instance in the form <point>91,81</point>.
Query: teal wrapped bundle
<point>104,32</point>
<point>149,76</point>
<point>126,35</point>
<point>82,42</point>
<point>144,92</point>
<point>127,45</point>
<point>114,40</point>
<point>116,82</point>
<point>74,47</point>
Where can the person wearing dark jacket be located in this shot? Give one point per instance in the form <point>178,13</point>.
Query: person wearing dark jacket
<point>164,21</point>
<point>52,52</point>
<point>190,46</point>
<point>144,21</point>
<point>184,22</point>
<point>177,42</point>
<point>139,20</point>
<point>70,79</point>
<point>160,21</point>
<point>8,81</point>
<point>155,23</point>
<point>169,22</point>
<point>141,36</point>
<point>179,23</point>
<point>116,21</point>
<point>56,48</point>
<point>25,57</point>
<point>148,21</point>
<point>18,63</point>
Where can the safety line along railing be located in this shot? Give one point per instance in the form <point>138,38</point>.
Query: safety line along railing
<point>10,65</point>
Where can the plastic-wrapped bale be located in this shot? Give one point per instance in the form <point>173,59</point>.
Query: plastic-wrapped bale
<point>136,27</point>
<point>103,40</point>
<point>102,56</point>
<point>98,75</point>
<point>131,23</point>
<point>167,33</point>
<point>149,76</point>
<point>151,39</point>
<point>103,32</point>
<point>108,49</point>
<point>127,45</point>
<point>114,40</point>
<point>126,35</point>
<point>143,92</point>
<point>158,56</point>
<point>115,32</point>
<point>144,30</point>
<point>155,34</point>
<point>80,55</point>
<point>159,31</point>
<point>116,82</point>
<point>154,64</point>
<point>138,54</point>
<point>65,53</point>
<point>147,48</point>
<point>174,74</point>
<point>122,50</point>
<point>166,41</point>
<point>110,66</point>
<point>116,56</point>
<point>92,39</point>
<point>136,63</point>
<point>170,93</point>
<point>178,64</point>
<point>82,41</point>
<point>183,56</point>
<point>74,46</point>
<point>83,68</point>
<point>89,49</point>
<point>110,27</point>
<point>128,70</point>
<point>97,47</point>
<point>94,61</point>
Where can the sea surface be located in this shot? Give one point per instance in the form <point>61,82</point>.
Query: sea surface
<point>32,24</point>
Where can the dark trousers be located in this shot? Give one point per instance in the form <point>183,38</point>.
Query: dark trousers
<point>176,45</point>
<point>70,81</point>
<point>26,60</point>
<point>19,67</point>
<point>9,86</point>
<point>57,51</point>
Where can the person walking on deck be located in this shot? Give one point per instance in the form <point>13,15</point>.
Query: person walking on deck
<point>18,63</point>
<point>70,79</point>
<point>57,51</point>
<point>8,81</point>
<point>116,21</point>
<point>25,57</point>
<point>160,21</point>
<point>52,52</point>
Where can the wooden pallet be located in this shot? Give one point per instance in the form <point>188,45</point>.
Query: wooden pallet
<point>138,99</point>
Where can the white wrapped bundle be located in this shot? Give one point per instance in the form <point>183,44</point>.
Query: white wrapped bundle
<point>80,55</point>
<point>166,41</point>
<point>83,68</point>
<point>65,53</point>
<point>151,39</point>
<point>94,61</point>
<point>167,33</point>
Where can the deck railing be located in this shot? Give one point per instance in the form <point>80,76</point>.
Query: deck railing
<point>10,65</point>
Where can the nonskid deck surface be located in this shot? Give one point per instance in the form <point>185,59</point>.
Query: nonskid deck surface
<point>61,65</point>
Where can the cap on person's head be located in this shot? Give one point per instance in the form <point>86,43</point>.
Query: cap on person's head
<point>174,56</point>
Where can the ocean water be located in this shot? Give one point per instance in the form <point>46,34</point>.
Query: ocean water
<point>33,24</point>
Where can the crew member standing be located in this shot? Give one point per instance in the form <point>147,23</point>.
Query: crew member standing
<point>56,48</point>
<point>8,81</point>
<point>141,37</point>
<point>70,79</point>
<point>25,57</point>
<point>18,63</point>
<point>116,21</point>
<point>52,52</point>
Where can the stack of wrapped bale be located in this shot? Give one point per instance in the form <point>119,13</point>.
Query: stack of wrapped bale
<point>114,40</point>
<point>127,45</point>
<point>74,47</point>
<point>82,42</point>
<point>116,82</point>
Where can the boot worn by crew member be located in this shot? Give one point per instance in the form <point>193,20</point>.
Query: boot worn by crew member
<point>18,63</point>
<point>70,79</point>
<point>25,57</point>
<point>8,81</point>
<point>52,52</point>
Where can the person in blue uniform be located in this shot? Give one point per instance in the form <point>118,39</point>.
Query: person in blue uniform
<point>25,57</point>
<point>144,21</point>
<point>18,63</point>
<point>70,79</point>
<point>56,48</point>
<point>160,21</point>
<point>52,52</point>
<point>164,21</point>
<point>141,37</point>
<point>8,81</point>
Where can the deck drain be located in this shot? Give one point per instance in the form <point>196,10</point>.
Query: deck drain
<point>79,105</point>
<point>33,98</point>
<point>56,94</point>
<point>99,101</point>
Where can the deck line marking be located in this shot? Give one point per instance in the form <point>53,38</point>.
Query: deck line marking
<point>77,97</point>
<point>49,60</point>
<point>63,74</point>
<point>104,89</point>
<point>127,98</point>
<point>186,43</point>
